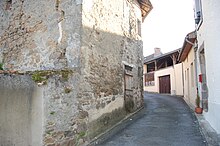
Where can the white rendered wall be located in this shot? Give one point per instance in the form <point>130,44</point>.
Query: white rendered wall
<point>210,35</point>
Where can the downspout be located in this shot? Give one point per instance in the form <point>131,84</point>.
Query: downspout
<point>196,69</point>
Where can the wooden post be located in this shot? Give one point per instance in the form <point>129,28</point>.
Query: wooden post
<point>155,62</point>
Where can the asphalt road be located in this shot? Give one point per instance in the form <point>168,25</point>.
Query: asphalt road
<point>165,121</point>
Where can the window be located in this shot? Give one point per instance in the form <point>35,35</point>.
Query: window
<point>149,79</point>
<point>198,13</point>
<point>151,67</point>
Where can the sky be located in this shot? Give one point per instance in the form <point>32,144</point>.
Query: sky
<point>167,25</point>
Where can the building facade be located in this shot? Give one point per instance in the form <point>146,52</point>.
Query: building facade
<point>207,26</point>
<point>71,69</point>
<point>162,73</point>
<point>187,58</point>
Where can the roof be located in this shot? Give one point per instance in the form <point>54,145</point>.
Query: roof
<point>151,57</point>
<point>146,7</point>
<point>187,45</point>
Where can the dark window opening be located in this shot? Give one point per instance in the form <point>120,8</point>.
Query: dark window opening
<point>151,67</point>
<point>163,63</point>
<point>129,68</point>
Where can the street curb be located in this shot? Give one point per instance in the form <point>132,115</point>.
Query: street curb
<point>210,135</point>
<point>129,119</point>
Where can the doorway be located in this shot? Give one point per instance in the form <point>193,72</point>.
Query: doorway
<point>128,87</point>
<point>164,84</point>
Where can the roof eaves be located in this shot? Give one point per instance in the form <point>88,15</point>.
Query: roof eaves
<point>163,55</point>
<point>187,44</point>
<point>146,7</point>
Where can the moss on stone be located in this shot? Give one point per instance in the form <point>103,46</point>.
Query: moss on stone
<point>52,113</point>
<point>67,90</point>
<point>65,74</point>
<point>38,77</point>
<point>43,75</point>
<point>1,66</point>
<point>80,136</point>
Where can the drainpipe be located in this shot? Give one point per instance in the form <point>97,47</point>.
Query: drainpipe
<point>196,69</point>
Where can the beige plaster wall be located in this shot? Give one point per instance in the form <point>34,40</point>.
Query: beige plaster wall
<point>175,73</point>
<point>190,80</point>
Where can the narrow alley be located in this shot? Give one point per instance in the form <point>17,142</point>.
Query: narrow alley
<point>165,121</point>
<point>109,73</point>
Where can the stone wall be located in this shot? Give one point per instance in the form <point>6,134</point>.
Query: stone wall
<point>41,41</point>
<point>63,121</point>
<point>76,56</point>
<point>41,108</point>
<point>110,41</point>
<point>39,35</point>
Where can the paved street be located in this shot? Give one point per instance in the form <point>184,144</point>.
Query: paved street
<point>165,121</point>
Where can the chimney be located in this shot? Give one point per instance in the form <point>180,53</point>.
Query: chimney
<point>157,52</point>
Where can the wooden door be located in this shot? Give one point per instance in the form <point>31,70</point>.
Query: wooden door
<point>164,84</point>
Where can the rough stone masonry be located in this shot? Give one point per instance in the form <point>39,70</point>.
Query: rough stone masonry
<point>71,69</point>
